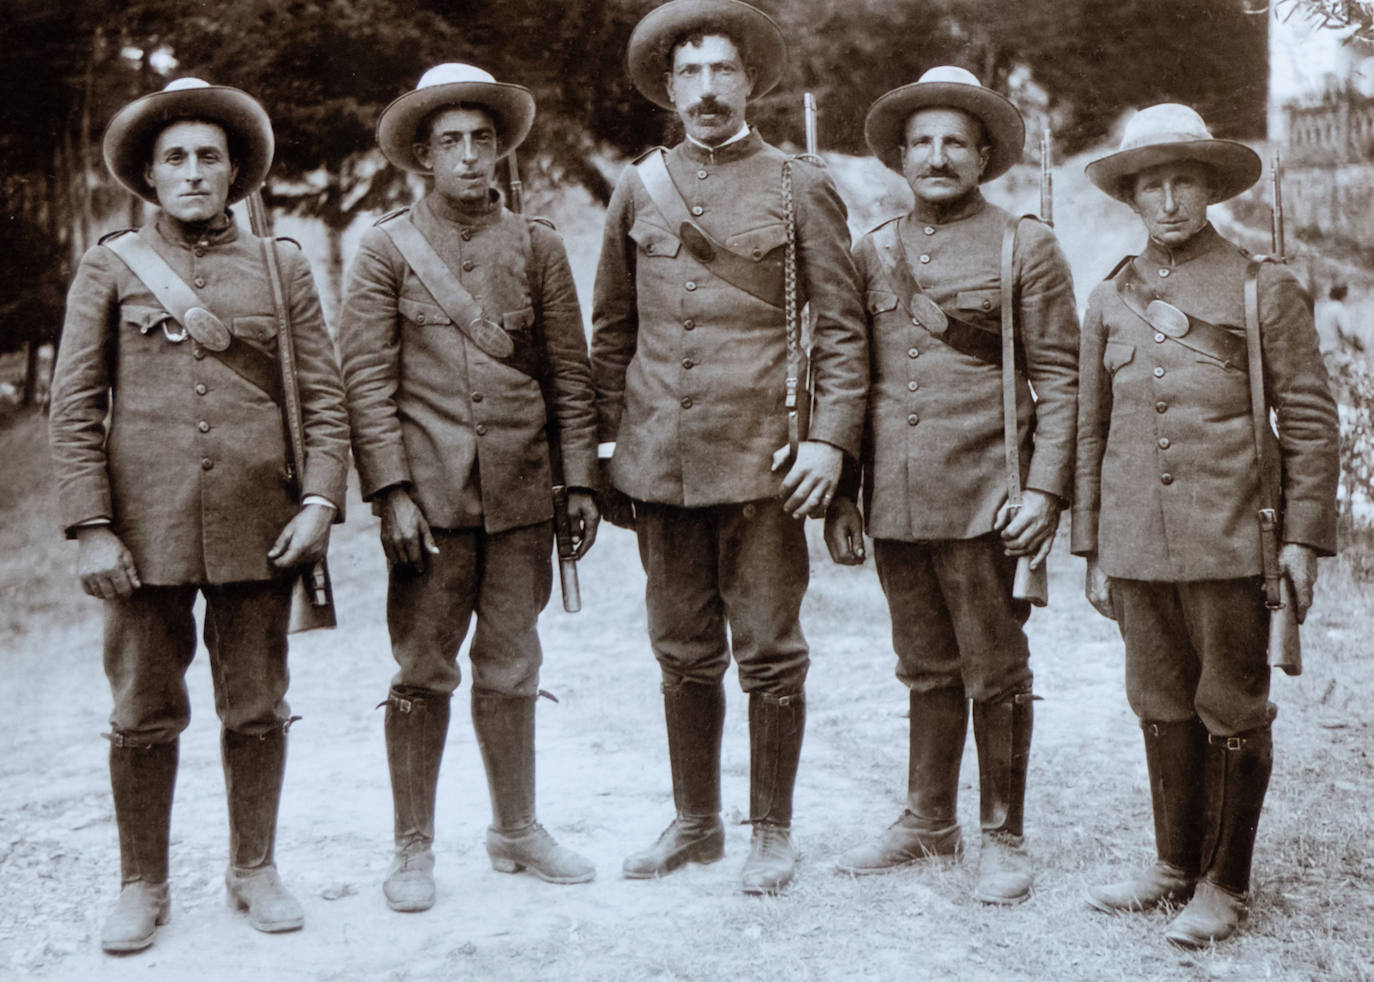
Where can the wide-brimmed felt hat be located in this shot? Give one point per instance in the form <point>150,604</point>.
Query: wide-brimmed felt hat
<point>649,51</point>
<point>129,139</point>
<point>1168,132</point>
<point>511,107</point>
<point>946,87</point>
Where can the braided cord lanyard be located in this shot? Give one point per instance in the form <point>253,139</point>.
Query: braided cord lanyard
<point>790,312</point>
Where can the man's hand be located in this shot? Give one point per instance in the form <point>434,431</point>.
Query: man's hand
<point>844,532</point>
<point>304,540</point>
<point>105,564</point>
<point>1097,587</point>
<point>406,538</point>
<point>584,517</point>
<point>1299,563</point>
<point>811,480</point>
<point>1029,530</point>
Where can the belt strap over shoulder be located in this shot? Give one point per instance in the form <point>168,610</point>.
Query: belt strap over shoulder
<point>756,279</point>
<point>1268,469</point>
<point>446,289</point>
<point>1201,336</point>
<point>1011,436</point>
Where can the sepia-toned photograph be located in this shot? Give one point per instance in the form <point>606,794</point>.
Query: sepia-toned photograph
<point>687,490</point>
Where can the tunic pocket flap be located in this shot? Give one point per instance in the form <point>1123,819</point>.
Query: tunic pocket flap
<point>420,312</point>
<point>259,327</point>
<point>880,301</point>
<point>984,300</point>
<point>142,316</point>
<point>758,242</point>
<point>518,320</point>
<point>1117,354</point>
<point>655,241</point>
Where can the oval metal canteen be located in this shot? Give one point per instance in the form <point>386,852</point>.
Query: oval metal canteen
<point>207,329</point>
<point>1167,319</point>
<point>928,314</point>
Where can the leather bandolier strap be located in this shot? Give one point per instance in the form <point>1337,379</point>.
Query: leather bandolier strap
<point>1202,336</point>
<point>1268,472</point>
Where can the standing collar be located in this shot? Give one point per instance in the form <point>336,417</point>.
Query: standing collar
<point>446,209</point>
<point>929,213</point>
<point>736,148</point>
<point>1204,240</point>
<point>217,231</point>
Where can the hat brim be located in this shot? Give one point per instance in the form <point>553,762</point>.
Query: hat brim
<point>885,125</point>
<point>511,106</point>
<point>647,53</point>
<point>1236,165</point>
<point>129,138</point>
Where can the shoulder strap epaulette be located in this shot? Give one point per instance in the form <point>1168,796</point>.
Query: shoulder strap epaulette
<point>883,224</point>
<point>390,215</point>
<point>114,235</point>
<point>646,153</point>
<point>287,238</point>
<point>1121,264</point>
<point>811,158</point>
<point>540,219</point>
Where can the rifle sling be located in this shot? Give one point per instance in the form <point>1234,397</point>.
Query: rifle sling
<point>754,278</point>
<point>450,294</point>
<point>1203,336</point>
<point>176,296</point>
<point>1011,435</point>
<point>958,334</point>
<point>1259,416</point>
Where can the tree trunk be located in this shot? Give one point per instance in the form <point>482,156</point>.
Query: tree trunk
<point>30,373</point>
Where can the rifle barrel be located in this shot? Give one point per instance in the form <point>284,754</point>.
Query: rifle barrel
<point>1046,178</point>
<point>1276,230</point>
<point>809,110</point>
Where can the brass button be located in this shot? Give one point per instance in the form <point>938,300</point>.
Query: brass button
<point>420,319</point>
<point>697,209</point>
<point>916,321</point>
<point>913,419</point>
<point>912,352</point>
<point>206,463</point>
<point>1166,478</point>
<point>203,426</point>
<point>466,234</point>
<point>200,281</point>
<point>199,250</point>
<point>987,304</point>
<point>758,254</point>
<point>686,402</point>
<point>925,258</point>
<point>1159,373</point>
<point>1163,272</point>
<point>687,363</point>
<point>688,324</point>
<point>1161,406</point>
<point>930,230</point>
<point>1159,339</point>
<point>197,352</point>
<point>691,285</point>
<point>913,386</point>
<point>481,429</point>
<point>701,175</point>
<point>1164,443</point>
<point>477,397</point>
<point>467,265</point>
<point>649,248</point>
<point>200,388</point>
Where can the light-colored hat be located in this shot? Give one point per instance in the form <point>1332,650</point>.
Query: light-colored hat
<point>1167,132</point>
<point>129,139</point>
<point>511,107</point>
<point>649,53</point>
<point>946,87</point>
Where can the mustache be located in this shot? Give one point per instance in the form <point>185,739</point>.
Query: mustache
<point>938,172</point>
<point>708,104</point>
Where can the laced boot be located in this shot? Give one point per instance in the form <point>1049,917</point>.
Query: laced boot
<point>776,726</point>
<point>929,826</point>
<point>416,726</point>
<point>254,767</point>
<point>1174,758</point>
<point>1237,778</point>
<point>515,841</point>
<point>142,778</point>
<point>1002,732</point>
<point>694,715</point>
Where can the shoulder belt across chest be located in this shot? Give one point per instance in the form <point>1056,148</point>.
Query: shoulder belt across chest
<point>188,310</point>
<point>1199,335</point>
<point>446,289</point>
<point>756,279</point>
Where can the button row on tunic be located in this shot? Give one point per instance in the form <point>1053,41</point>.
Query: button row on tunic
<point>203,426</point>
<point>701,175</point>
<point>913,419</point>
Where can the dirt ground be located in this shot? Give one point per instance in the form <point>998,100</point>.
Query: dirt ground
<point>604,790</point>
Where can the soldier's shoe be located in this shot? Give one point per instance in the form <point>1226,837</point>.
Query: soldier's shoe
<point>1213,914</point>
<point>771,863</point>
<point>1162,883</point>
<point>1004,869</point>
<point>270,907</point>
<point>908,840</point>
<point>140,910</point>
<point>409,884</point>
<point>534,849</point>
<point>685,840</point>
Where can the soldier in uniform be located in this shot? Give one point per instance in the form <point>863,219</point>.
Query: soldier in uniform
<point>173,474</point>
<point>935,484</point>
<point>1166,496</point>
<point>449,437</point>
<point>690,361</point>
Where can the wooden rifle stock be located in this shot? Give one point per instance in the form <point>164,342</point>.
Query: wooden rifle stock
<point>562,521</point>
<point>312,595</point>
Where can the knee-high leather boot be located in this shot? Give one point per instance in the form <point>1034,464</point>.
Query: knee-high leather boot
<point>1174,756</point>
<point>515,840</point>
<point>695,718</point>
<point>776,726</point>
<point>416,727</point>
<point>1002,731</point>
<point>1238,770</point>
<point>929,826</point>
<point>254,768</point>
<point>142,778</point>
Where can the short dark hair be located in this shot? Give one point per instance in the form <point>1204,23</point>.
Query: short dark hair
<point>701,31</point>
<point>424,132</point>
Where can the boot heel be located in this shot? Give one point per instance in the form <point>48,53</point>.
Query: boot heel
<point>503,865</point>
